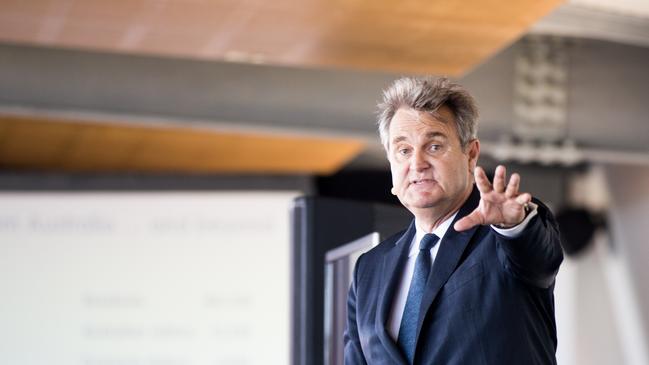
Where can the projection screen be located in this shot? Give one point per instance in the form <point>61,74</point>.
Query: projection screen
<point>145,278</point>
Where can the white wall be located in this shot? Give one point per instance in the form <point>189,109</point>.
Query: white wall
<point>601,293</point>
<point>629,226</point>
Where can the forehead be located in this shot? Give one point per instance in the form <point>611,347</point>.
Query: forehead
<point>408,122</point>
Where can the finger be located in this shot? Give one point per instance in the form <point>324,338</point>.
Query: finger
<point>481,180</point>
<point>468,221</point>
<point>499,179</point>
<point>512,187</point>
<point>524,198</point>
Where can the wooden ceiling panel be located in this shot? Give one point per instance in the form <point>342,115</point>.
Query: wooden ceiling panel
<point>22,144</point>
<point>36,8</point>
<point>438,37</point>
<point>99,148</point>
<point>64,145</point>
<point>105,12</point>
<point>103,38</point>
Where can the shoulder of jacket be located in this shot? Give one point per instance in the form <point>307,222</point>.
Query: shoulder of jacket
<point>385,245</point>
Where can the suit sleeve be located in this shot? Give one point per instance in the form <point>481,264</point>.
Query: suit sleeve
<point>533,256</point>
<point>353,353</point>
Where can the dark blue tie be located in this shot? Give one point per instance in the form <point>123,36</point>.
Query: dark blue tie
<point>408,328</point>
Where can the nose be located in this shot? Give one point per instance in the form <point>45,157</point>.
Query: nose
<point>418,161</point>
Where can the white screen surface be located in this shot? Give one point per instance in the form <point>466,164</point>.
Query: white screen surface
<point>144,278</point>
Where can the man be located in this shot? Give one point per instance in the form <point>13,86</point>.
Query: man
<point>471,280</point>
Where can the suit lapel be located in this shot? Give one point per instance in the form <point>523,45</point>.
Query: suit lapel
<point>453,245</point>
<point>391,270</point>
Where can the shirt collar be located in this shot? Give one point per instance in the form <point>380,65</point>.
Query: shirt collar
<point>440,231</point>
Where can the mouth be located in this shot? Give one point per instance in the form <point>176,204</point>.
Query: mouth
<point>422,181</point>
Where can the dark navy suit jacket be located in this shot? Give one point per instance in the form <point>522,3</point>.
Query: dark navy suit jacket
<point>489,298</point>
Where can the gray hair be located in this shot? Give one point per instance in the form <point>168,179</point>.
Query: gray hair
<point>427,95</point>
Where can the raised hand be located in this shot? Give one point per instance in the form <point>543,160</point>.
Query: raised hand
<point>500,204</point>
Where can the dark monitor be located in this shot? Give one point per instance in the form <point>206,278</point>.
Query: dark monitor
<point>339,267</point>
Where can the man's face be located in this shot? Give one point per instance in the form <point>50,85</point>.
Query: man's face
<point>429,166</point>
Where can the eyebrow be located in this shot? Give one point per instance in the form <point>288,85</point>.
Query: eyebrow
<point>429,135</point>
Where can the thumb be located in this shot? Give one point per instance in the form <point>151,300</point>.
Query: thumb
<point>469,221</point>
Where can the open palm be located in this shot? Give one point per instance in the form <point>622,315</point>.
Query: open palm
<point>500,204</point>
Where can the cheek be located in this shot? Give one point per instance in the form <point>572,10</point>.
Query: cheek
<point>398,175</point>
<point>463,170</point>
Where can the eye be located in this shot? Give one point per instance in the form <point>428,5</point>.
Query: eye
<point>435,147</point>
<point>403,150</point>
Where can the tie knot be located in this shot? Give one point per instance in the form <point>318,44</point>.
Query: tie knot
<point>428,242</point>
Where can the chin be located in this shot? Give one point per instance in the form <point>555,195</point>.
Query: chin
<point>429,198</point>
<point>424,203</point>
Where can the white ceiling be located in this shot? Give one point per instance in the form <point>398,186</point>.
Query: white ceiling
<point>624,21</point>
<point>636,8</point>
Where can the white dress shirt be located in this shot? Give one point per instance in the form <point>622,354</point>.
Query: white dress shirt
<point>399,301</point>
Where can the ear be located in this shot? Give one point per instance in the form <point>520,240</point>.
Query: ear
<point>393,191</point>
<point>473,151</point>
